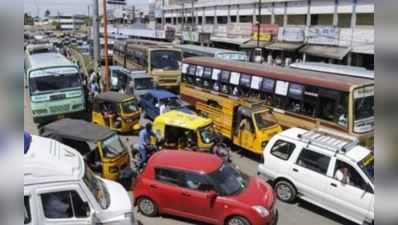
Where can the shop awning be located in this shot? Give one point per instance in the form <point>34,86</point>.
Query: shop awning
<point>285,46</point>
<point>331,52</point>
<point>235,41</point>
<point>253,44</point>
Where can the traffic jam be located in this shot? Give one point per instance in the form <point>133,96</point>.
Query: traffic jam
<point>155,133</point>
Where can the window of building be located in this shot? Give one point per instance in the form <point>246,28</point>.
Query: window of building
<point>64,204</point>
<point>27,213</point>
<point>209,19</point>
<point>321,19</point>
<point>233,19</point>
<point>265,19</point>
<point>365,19</point>
<point>279,20</point>
<point>246,19</point>
<point>313,161</point>
<point>222,19</point>
<point>282,149</point>
<point>167,176</point>
<point>296,19</point>
<point>344,20</point>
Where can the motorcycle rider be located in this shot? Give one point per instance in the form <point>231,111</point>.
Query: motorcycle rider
<point>144,141</point>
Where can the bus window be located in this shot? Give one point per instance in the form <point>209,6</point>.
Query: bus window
<point>295,98</point>
<point>165,60</point>
<point>191,74</point>
<point>363,109</point>
<point>199,75</point>
<point>245,81</point>
<point>255,86</point>
<point>224,79</point>
<point>342,110</point>
<point>328,100</point>
<point>267,90</point>
<point>207,73</point>
<point>215,77</point>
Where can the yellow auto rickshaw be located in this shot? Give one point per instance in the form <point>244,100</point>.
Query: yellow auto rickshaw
<point>101,147</point>
<point>116,111</point>
<point>180,130</point>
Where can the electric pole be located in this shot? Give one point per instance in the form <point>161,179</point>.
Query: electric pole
<point>258,24</point>
<point>163,22</point>
<point>95,35</point>
<point>106,69</point>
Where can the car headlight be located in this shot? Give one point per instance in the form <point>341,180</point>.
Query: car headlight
<point>261,210</point>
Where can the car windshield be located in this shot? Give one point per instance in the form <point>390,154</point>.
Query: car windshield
<point>228,180</point>
<point>113,147</point>
<point>52,83</point>
<point>97,188</point>
<point>264,119</point>
<point>207,134</point>
<point>172,103</point>
<point>367,166</point>
<point>165,59</point>
<point>143,83</point>
<point>130,107</point>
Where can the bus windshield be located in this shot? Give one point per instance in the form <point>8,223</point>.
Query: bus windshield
<point>364,109</point>
<point>165,59</point>
<point>53,83</point>
<point>264,119</point>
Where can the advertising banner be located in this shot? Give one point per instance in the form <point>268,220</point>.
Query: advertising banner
<point>266,32</point>
<point>327,35</point>
<point>291,34</point>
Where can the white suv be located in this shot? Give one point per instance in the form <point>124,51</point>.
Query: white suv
<point>328,170</point>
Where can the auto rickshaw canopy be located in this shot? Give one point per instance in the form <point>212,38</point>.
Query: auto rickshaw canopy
<point>112,97</point>
<point>182,119</point>
<point>78,130</point>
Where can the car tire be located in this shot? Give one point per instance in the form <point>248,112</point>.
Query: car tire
<point>285,191</point>
<point>147,207</point>
<point>237,220</point>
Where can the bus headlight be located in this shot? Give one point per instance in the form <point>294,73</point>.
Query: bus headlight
<point>263,212</point>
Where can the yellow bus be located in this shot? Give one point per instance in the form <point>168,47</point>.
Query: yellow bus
<point>159,60</point>
<point>298,98</point>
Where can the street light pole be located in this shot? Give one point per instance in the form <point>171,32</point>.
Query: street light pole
<point>106,70</point>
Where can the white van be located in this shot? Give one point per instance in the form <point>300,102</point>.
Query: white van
<point>328,170</point>
<point>60,189</point>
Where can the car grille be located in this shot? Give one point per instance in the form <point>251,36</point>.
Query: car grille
<point>59,108</point>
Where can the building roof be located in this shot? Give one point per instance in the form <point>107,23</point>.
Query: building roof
<point>183,119</point>
<point>325,80</point>
<point>74,129</point>
<point>161,94</point>
<point>112,96</point>
<point>186,160</point>
<point>50,161</point>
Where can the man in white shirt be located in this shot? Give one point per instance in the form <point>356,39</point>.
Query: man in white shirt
<point>343,175</point>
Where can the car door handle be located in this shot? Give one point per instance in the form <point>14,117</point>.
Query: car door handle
<point>295,170</point>
<point>185,194</point>
<point>333,184</point>
<point>153,186</point>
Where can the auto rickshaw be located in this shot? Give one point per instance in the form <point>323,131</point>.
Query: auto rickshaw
<point>180,130</point>
<point>116,111</point>
<point>101,147</point>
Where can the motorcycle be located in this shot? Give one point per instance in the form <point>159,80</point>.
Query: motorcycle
<point>221,149</point>
<point>136,157</point>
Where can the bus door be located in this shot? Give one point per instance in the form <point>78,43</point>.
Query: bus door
<point>245,133</point>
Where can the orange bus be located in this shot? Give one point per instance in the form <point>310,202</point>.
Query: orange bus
<point>298,98</point>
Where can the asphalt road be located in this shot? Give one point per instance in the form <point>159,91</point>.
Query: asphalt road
<point>300,213</point>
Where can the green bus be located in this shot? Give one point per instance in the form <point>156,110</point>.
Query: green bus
<point>55,87</point>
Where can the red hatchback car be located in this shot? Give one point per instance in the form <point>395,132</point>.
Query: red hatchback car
<point>202,187</point>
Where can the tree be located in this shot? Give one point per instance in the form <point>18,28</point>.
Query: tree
<point>47,13</point>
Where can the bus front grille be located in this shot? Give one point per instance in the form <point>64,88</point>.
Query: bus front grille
<point>59,108</point>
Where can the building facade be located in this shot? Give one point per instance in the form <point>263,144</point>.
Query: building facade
<point>337,31</point>
<point>68,22</point>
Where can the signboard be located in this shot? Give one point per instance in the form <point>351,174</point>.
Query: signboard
<point>281,87</point>
<point>291,34</point>
<point>266,32</point>
<point>116,2</point>
<point>235,78</point>
<point>327,35</point>
<point>190,36</point>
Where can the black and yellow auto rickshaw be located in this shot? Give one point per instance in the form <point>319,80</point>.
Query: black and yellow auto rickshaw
<point>116,111</point>
<point>101,147</point>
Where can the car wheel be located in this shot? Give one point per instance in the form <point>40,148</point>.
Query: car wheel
<point>147,207</point>
<point>238,220</point>
<point>285,191</point>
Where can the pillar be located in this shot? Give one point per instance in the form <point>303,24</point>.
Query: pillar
<point>273,13</point>
<point>285,14</point>
<point>237,14</point>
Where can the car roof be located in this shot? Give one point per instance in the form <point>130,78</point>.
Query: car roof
<point>355,153</point>
<point>161,94</point>
<point>50,161</point>
<point>113,96</point>
<point>186,160</point>
<point>75,129</point>
<point>182,119</point>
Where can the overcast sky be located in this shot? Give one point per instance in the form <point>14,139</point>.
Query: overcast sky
<point>68,7</point>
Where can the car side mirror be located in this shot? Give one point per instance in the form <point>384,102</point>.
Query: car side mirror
<point>211,195</point>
